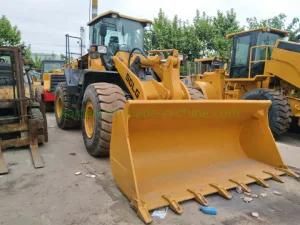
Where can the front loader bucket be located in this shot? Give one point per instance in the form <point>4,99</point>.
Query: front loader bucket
<point>166,152</point>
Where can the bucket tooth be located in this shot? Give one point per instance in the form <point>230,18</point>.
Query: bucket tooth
<point>222,191</point>
<point>174,205</point>
<point>259,181</point>
<point>244,187</point>
<point>143,212</point>
<point>274,176</point>
<point>289,172</point>
<point>199,197</point>
<point>3,166</point>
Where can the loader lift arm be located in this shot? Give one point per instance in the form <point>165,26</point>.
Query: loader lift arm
<point>167,70</point>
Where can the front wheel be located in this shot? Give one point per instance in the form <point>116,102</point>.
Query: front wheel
<point>100,102</point>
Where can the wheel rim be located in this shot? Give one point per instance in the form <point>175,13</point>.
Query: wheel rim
<point>59,107</point>
<point>89,122</point>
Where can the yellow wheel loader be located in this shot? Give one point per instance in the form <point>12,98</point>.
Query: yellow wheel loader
<point>263,67</point>
<point>164,147</point>
<point>52,75</point>
<point>22,120</point>
<point>208,64</point>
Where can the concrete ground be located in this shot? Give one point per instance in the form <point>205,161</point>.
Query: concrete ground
<point>55,196</point>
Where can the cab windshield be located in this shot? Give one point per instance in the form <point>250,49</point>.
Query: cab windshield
<point>118,34</point>
<point>6,68</point>
<point>265,39</point>
<point>50,66</point>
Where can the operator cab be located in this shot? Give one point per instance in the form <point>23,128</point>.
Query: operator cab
<point>52,65</point>
<point>208,64</point>
<point>8,89</point>
<point>251,49</point>
<point>111,32</point>
<point>6,69</point>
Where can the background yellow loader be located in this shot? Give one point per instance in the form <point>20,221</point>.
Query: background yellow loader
<point>52,75</point>
<point>263,67</point>
<point>164,148</point>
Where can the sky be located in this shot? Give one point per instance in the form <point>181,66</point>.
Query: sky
<point>44,23</point>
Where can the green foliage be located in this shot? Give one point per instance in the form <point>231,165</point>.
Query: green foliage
<point>37,62</point>
<point>202,38</point>
<point>278,22</point>
<point>27,53</point>
<point>203,33</point>
<point>205,36</point>
<point>9,35</point>
<point>224,23</point>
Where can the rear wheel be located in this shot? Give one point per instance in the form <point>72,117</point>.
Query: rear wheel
<point>195,94</point>
<point>279,112</point>
<point>100,102</point>
<point>66,116</point>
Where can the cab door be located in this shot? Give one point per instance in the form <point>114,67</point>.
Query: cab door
<point>240,55</point>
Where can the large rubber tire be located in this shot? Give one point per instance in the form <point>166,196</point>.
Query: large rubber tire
<point>279,112</point>
<point>66,116</point>
<point>104,99</point>
<point>196,94</point>
<point>43,131</point>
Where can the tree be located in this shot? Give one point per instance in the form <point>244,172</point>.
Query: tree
<point>204,37</point>
<point>204,32</point>
<point>294,29</point>
<point>224,23</point>
<point>278,22</point>
<point>9,35</point>
<point>27,54</point>
<point>162,31</point>
<point>37,62</point>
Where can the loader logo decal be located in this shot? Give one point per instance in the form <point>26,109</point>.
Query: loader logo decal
<point>131,84</point>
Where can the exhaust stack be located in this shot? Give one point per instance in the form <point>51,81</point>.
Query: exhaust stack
<point>94,8</point>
